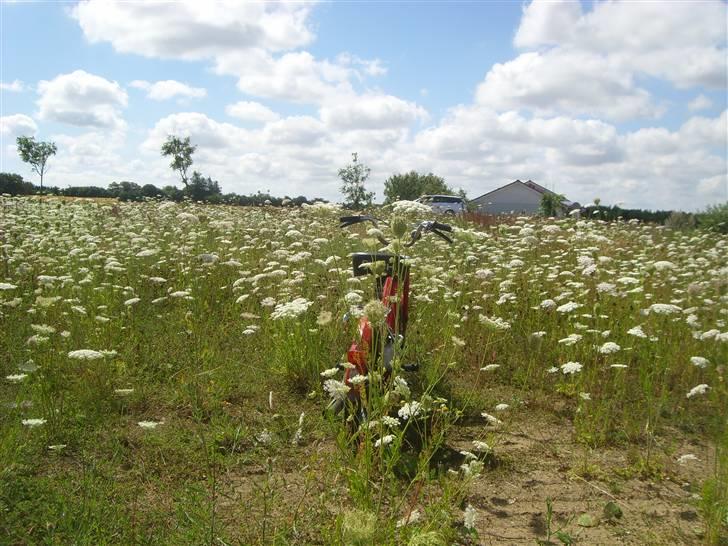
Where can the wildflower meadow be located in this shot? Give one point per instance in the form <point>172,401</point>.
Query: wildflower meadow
<point>166,370</point>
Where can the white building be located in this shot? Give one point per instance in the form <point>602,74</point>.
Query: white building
<point>516,198</point>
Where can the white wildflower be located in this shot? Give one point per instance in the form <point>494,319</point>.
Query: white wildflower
<point>687,457</point>
<point>494,323</point>
<point>85,354</point>
<point>469,517</point>
<point>33,422</point>
<point>353,298</point>
<point>472,469</point>
<point>410,409</point>
<point>291,309</point>
<point>123,392</point>
<point>571,339</point>
<point>390,422</point>
<point>490,419</point>
<point>149,424</point>
<point>609,348</point>
<point>358,379</point>
<point>571,368</point>
<point>480,447</point>
<point>699,361</point>
<point>336,389</point>
<point>664,309</point>
<point>568,307</point>
<point>700,389</point>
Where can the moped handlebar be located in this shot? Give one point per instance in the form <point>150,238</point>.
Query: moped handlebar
<point>427,226</point>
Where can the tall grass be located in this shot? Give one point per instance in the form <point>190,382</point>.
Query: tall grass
<point>183,297</point>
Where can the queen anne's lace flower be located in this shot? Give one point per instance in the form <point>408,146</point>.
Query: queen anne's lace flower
<point>571,368</point>
<point>33,422</point>
<point>609,347</point>
<point>664,309</point>
<point>700,389</point>
<point>699,361</point>
<point>410,207</point>
<point>410,409</point>
<point>337,390</point>
<point>291,309</point>
<point>85,354</point>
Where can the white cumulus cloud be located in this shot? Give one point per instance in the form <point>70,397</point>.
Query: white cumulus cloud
<point>15,86</point>
<point>251,111</point>
<point>371,111</point>
<point>82,99</point>
<point>568,81</point>
<point>191,29</point>
<point>168,89</point>
<point>17,125</point>
<point>589,62</point>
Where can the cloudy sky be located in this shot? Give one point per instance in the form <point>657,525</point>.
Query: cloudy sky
<point>625,101</point>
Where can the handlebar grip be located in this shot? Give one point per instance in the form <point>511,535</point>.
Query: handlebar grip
<point>441,227</point>
<point>349,220</point>
<point>442,235</point>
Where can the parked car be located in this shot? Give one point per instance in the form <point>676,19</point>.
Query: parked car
<point>444,204</point>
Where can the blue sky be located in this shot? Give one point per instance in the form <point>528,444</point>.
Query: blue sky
<point>619,100</point>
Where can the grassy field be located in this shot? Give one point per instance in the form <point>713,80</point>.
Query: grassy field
<point>165,369</point>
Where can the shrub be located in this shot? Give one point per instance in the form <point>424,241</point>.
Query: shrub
<point>715,218</point>
<point>680,220</point>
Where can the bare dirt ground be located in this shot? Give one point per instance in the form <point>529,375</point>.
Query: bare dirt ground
<point>541,462</point>
<point>535,462</point>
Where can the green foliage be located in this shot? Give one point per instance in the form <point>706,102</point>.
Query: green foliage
<point>150,190</point>
<point>680,220</point>
<point>714,498</point>
<point>613,213</point>
<point>551,204</point>
<point>353,177</point>
<point>85,191</point>
<point>15,185</point>
<point>181,152</point>
<point>36,154</point>
<point>202,189</point>
<point>715,218</point>
<point>411,185</point>
<point>125,191</point>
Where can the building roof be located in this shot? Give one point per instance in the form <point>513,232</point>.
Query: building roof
<point>531,185</point>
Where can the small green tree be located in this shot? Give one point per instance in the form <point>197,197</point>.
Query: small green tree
<point>412,185</point>
<point>201,188</point>
<point>181,151</point>
<point>715,218</point>
<point>551,204</point>
<point>353,177</point>
<point>36,154</point>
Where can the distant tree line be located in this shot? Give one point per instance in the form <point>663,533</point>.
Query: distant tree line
<point>199,188</point>
<point>613,213</point>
